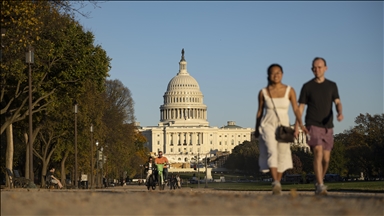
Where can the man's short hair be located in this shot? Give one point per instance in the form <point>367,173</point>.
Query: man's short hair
<point>319,58</point>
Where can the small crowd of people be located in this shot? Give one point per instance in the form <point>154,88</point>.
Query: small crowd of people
<point>172,181</point>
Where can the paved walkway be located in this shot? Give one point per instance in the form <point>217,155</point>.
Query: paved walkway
<point>137,200</point>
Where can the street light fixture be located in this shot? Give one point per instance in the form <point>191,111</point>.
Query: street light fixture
<point>97,164</point>
<point>198,169</point>
<point>102,167</point>
<point>3,30</point>
<point>29,59</point>
<point>91,156</point>
<point>206,175</point>
<point>75,107</point>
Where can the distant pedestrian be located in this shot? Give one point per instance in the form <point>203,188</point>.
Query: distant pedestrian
<point>318,94</point>
<point>275,100</point>
<point>52,179</point>
<point>148,168</point>
<point>178,181</point>
<point>172,182</point>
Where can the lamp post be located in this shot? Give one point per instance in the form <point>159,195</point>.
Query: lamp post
<point>102,167</point>
<point>141,172</point>
<point>3,30</point>
<point>97,164</point>
<point>75,109</point>
<point>29,59</point>
<point>198,170</point>
<point>91,156</point>
<point>106,167</point>
<point>206,175</point>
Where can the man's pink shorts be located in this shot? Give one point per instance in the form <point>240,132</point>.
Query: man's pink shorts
<point>320,136</point>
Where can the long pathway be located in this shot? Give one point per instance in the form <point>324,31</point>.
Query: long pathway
<point>137,200</point>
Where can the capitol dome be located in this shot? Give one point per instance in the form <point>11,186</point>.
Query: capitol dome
<point>183,82</point>
<point>183,100</point>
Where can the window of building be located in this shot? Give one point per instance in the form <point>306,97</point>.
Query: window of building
<point>171,149</point>
<point>220,143</point>
<point>158,142</point>
<point>178,139</point>
<point>233,142</point>
<point>211,142</point>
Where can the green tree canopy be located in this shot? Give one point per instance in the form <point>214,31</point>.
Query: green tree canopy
<point>244,157</point>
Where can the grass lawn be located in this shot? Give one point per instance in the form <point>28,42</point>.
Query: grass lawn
<point>357,186</point>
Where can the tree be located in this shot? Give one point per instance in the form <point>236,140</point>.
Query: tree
<point>65,59</point>
<point>338,159</point>
<point>297,165</point>
<point>364,145</point>
<point>124,142</point>
<point>306,159</point>
<point>244,157</point>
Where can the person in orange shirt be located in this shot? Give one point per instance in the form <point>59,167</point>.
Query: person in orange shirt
<point>163,160</point>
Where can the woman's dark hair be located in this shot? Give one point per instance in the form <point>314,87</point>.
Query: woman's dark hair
<point>269,71</point>
<point>149,157</point>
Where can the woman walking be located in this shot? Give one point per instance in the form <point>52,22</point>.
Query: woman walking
<point>274,100</point>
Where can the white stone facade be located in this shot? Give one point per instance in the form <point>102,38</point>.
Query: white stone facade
<point>301,141</point>
<point>183,130</point>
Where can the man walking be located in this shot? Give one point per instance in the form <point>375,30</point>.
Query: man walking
<point>319,94</point>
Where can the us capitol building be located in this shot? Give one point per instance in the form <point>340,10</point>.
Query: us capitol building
<point>183,130</point>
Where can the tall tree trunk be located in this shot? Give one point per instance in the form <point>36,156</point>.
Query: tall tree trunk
<point>26,139</point>
<point>44,172</point>
<point>9,151</point>
<point>63,177</point>
<point>26,174</point>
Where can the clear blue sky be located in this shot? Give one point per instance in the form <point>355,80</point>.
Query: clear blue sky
<point>229,45</point>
